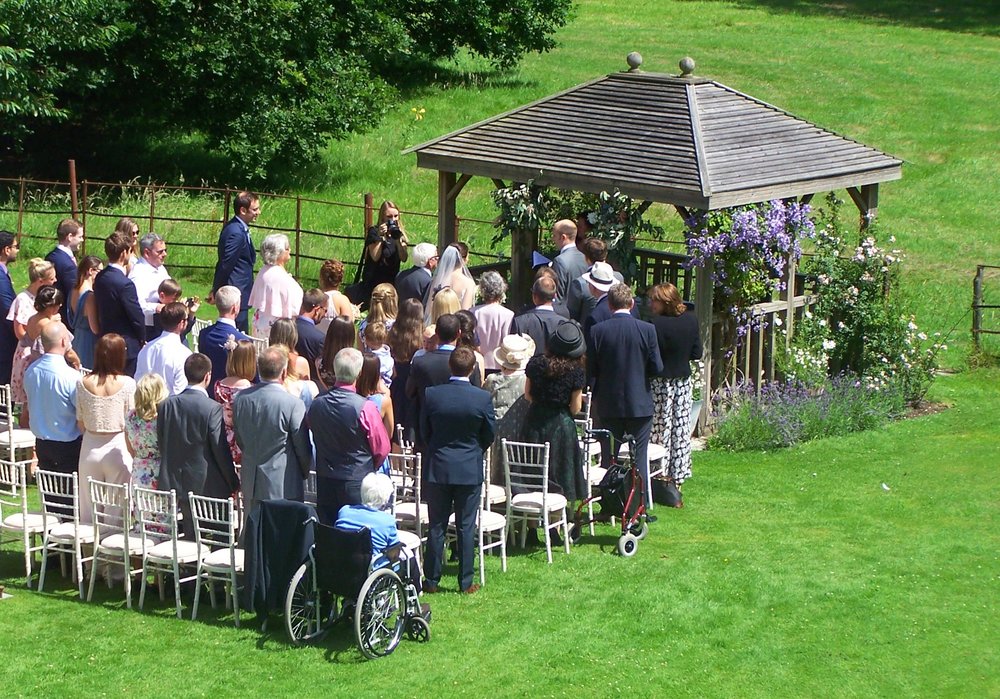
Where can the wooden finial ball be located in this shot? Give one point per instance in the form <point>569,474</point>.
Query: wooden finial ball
<point>686,65</point>
<point>634,60</point>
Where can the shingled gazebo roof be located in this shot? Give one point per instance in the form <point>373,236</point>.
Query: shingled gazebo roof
<point>683,140</point>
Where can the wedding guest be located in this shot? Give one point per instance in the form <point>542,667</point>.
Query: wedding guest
<point>40,273</point>
<point>331,276</point>
<point>405,338</point>
<point>103,400</point>
<point>413,282</point>
<point>445,302</point>
<point>371,386</point>
<point>469,337</point>
<point>297,381</point>
<point>507,386</point>
<point>375,336</point>
<point>341,334</point>
<point>386,248</point>
<point>492,318</point>
<point>384,308</point>
<point>275,292</point>
<point>85,327</point>
<point>140,431</point>
<point>166,354</point>
<point>241,370</point>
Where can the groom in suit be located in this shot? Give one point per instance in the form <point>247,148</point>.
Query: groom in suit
<point>194,455</point>
<point>457,424</point>
<point>622,356</point>
<point>117,302</point>
<point>8,341</point>
<point>69,236</point>
<point>237,254</point>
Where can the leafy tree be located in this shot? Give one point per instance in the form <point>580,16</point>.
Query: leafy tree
<point>262,80</point>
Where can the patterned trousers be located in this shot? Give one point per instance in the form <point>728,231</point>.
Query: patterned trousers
<point>672,424</point>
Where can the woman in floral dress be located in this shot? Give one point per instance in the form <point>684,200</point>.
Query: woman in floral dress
<point>140,431</point>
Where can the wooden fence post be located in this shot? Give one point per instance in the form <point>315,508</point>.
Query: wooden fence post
<point>20,209</point>
<point>72,189</point>
<point>83,216</point>
<point>369,211</point>
<point>977,302</point>
<point>152,206</point>
<point>298,232</point>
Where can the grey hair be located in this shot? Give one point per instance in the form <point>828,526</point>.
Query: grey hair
<point>347,365</point>
<point>272,247</point>
<point>492,286</point>
<point>376,490</point>
<point>146,241</point>
<point>422,253</point>
<point>226,298</point>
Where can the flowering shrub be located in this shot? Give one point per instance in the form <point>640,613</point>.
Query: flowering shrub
<point>750,247</point>
<point>787,413</point>
<point>860,321</point>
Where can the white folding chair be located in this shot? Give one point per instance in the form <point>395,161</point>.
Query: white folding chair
<point>60,494</point>
<point>410,512</point>
<point>592,471</point>
<point>495,494</point>
<point>15,517</point>
<point>220,559</point>
<point>157,511</point>
<point>310,488</point>
<point>114,543</point>
<point>259,343</point>
<point>529,502</point>
<point>12,438</point>
<point>491,528</point>
<point>199,325</point>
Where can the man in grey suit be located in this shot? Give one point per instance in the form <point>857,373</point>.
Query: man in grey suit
<point>270,428</point>
<point>570,262</point>
<point>194,455</point>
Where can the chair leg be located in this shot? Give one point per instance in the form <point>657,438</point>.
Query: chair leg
<point>159,586</point>
<point>142,586</point>
<point>234,591</point>
<point>503,554</point>
<point>211,591</point>
<point>565,524</point>
<point>78,552</point>
<point>93,575</point>
<point>27,557</point>
<point>41,574</point>
<point>482,559</point>
<point>177,588</point>
<point>524,531</point>
<point>197,592</point>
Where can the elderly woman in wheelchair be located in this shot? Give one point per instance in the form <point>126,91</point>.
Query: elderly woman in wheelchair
<point>362,561</point>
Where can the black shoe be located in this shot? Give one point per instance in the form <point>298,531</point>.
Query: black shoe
<point>650,518</point>
<point>556,538</point>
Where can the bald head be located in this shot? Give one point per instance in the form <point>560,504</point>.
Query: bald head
<point>54,338</point>
<point>563,232</point>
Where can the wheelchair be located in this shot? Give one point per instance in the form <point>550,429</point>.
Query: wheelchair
<point>372,594</point>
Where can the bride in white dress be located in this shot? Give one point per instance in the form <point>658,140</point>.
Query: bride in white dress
<point>451,273</point>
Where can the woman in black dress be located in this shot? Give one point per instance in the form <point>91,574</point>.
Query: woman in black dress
<point>554,386</point>
<point>680,343</point>
<point>385,249</point>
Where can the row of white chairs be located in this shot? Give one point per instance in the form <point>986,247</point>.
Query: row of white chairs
<point>128,522</point>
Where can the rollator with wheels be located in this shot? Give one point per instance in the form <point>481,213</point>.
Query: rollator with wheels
<point>622,494</point>
<point>340,581</point>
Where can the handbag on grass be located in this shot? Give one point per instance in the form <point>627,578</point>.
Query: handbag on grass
<point>665,492</point>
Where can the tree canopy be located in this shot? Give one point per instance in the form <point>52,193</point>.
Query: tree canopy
<point>263,81</point>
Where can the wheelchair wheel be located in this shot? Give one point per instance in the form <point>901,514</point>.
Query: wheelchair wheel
<point>639,530</point>
<point>417,629</point>
<point>306,617</point>
<point>628,544</point>
<point>380,614</point>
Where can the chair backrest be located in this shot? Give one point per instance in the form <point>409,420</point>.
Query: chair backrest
<point>112,507</point>
<point>214,521</point>
<point>13,487</point>
<point>526,467</point>
<point>157,513</point>
<point>7,418</point>
<point>584,414</point>
<point>405,446</point>
<point>259,343</point>
<point>485,490</point>
<point>404,469</point>
<point>343,559</point>
<point>60,494</point>
<point>199,325</point>
<point>311,488</point>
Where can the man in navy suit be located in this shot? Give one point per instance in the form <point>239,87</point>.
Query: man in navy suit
<point>600,278</point>
<point>569,263</point>
<point>311,338</point>
<point>538,322</point>
<point>432,369</point>
<point>412,283</point>
<point>69,236</point>
<point>212,340</point>
<point>8,341</point>
<point>117,302</point>
<point>457,424</point>
<point>622,357</point>
<point>237,254</point>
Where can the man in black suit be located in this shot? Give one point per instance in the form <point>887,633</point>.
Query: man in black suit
<point>69,236</point>
<point>457,424</point>
<point>431,369</point>
<point>569,263</point>
<point>194,454</point>
<point>412,283</point>
<point>622,357</point>
<point>8,341</point>
<point>213,339</point>
<point>118,309</point>
<point>237,254</point>
<point>311,338</point>
<point>538,322</point>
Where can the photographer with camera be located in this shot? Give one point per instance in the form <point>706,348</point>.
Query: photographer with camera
<point>385,250</point>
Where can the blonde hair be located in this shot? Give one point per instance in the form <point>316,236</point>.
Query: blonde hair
<point>242,361</point>
<point>445,301</point>
<point>38,268</point>
<point>384,304</point>
<point>149,393</point>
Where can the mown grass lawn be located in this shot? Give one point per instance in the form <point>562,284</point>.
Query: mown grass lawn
<point>792,573</point>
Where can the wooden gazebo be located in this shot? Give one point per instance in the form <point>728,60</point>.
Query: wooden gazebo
<point>682,140</point>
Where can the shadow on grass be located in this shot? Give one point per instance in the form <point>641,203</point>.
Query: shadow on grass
<point>967,16</point>
<point>418,77</point>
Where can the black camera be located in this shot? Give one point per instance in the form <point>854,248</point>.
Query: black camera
<point>392,228</point>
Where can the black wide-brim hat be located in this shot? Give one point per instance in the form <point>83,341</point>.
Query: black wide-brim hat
<point>567,340</point>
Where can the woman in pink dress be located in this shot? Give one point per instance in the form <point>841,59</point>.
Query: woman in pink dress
<point>241,369</point>
<point>275,292</point>
<point>40,273</point>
